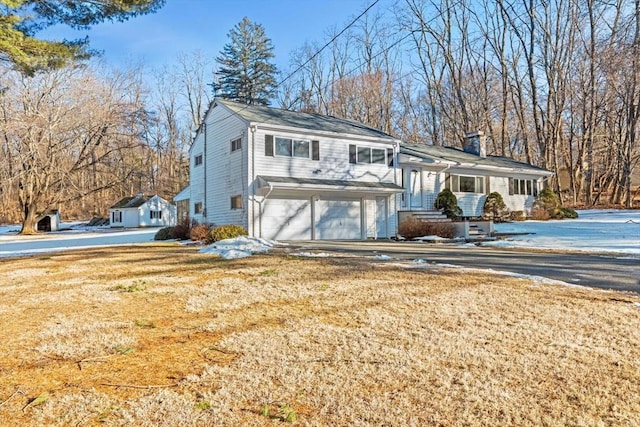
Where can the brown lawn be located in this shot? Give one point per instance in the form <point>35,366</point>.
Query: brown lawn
<point>161,335</point>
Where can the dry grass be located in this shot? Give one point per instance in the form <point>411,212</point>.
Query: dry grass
<point>160,335</point>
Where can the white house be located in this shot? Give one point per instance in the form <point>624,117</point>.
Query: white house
<point>469,173</point>
<point>142,211</point>
<point>293,176</point>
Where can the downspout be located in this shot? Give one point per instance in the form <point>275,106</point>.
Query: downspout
<point>204,172</point>
<point>253,129</point>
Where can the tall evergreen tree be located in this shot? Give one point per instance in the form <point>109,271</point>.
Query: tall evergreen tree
<point>20,20</point>
<point>246,74</point>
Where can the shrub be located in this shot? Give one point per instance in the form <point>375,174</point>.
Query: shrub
<point>547,200</point>
<point>182,231</point>
<point>228,231</point>
<point>199,232</point>
<point>568,213</point>
<point>165,233</point>
<point>517,216</point>
<point>547,205</point>
<point>448,203</point>
<point>411,228</point>
<point>495,209</point>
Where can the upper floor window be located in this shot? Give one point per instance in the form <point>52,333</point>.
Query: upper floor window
<point>197,160</point>
<point>236,144</point>
<point>367,155</point>
<point>290,147</point>
<point>465,184</point>
<point>197,208</point>
<point>526,187</point>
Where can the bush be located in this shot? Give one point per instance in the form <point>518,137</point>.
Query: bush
<point>547,200</point>
<point>547,205</point>
<point>517,216</point>
<point>448,203</point>
<point>228,231</point>
<point>182,231</point>
<point>199,232</point>
<point>411,228</point>
<point>568,213</point>
<point>495,209</point>
<point>165,233</point>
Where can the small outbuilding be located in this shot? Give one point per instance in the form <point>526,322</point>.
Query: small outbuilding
<point>142,211</point>
<point>49,221</point>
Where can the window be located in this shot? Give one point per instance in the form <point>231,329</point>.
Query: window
<point>464,183</point>
<point>236,144</point>
<point>197,208</point>
<point>369,155</point>
<point>116,216</point>
<point>364,155</point>
<point>197,161</point>
<point>292,147</point>
<point>525,187</point>
<point>289,147</point>
<point>236,202</point>
<point>155,214</point>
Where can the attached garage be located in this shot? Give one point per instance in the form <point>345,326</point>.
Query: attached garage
<point>311,209</point>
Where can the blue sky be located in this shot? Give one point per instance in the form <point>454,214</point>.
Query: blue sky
<point>184,26</point>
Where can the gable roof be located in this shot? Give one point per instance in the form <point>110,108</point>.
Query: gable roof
<point>308,121</point>
<point>131,202</point>
<point>455,155</point>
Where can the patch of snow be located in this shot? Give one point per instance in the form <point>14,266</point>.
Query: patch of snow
<point>382,257</point>
<point>239,247</point>
<point>637,304</point>
<point>314,254</point>
<point>594,231</point>
<point>430,239</point>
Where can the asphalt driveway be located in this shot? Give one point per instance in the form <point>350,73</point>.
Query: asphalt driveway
<point>599,271</point>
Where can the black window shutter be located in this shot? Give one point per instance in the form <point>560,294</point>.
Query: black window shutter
<point>268,145</point>
<point>447,181</point>
<point>487,185</point>
<point>511,186</point>
<point>315,150</point>
<point>352,153</point>
<point>390,157</point>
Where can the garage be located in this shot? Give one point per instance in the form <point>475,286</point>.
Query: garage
<point>291,219</point>
<point>338,219</point>
<point>286,219</point>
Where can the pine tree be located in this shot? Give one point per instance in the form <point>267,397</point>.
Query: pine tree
<point>20,20</point>
<point>246,74</point>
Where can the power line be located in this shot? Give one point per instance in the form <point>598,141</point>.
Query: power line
<point>328,43</point>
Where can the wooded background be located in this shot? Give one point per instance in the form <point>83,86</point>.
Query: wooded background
<point>553,83</point>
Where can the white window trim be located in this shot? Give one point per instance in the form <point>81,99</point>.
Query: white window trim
<point>476,179</point>
<point>387,157</point>
<point>196,158</point>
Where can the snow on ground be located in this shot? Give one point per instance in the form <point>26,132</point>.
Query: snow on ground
<point>239,247</point>
<point>75,236</point>
<point>595,231</point>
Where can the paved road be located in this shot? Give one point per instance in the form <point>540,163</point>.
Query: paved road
<point>622,274</point>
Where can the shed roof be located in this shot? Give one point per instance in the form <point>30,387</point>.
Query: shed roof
<point>131,202</point>
<point>455,155</point>
<point>308,121</point>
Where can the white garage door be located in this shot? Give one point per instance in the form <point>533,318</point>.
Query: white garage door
<point>286,219</point>
<point>338,219</point>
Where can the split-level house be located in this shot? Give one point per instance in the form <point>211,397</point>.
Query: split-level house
<point>292,176</point>
<point>295,176</point>
<point>469,173</point>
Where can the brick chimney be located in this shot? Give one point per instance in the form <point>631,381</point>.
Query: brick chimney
<point>475,143</point>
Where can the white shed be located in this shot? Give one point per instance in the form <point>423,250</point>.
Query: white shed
<point>142,211</point>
